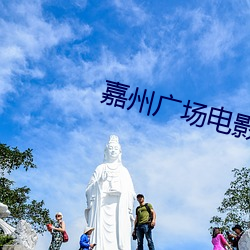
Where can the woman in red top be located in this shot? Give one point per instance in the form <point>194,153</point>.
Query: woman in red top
<point>218,240</point>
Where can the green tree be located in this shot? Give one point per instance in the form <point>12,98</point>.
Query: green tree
<point>235,207</point>
<point>17,199</point>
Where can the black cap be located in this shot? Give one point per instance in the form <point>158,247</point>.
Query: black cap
<point>140,195</point>
<point>237,227</point>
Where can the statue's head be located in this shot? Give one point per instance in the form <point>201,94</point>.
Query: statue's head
<point>113,150</point>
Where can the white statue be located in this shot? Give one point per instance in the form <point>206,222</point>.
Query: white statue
<point>110,197</point>
<point>244,242</point>
<point>25,235</point>
<point>4,212</point>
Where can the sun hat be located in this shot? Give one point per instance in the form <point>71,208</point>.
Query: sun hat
<point>59,213</point>
<point>87,229</point>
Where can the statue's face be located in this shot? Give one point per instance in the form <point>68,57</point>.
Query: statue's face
<point>113,150</point>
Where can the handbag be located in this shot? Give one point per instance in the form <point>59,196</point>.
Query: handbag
<point>65,236</point>
<point>49,227</point>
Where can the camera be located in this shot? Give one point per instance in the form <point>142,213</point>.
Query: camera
<point>134,235</point>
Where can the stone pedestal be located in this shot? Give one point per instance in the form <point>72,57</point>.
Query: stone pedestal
<point>13,247</point>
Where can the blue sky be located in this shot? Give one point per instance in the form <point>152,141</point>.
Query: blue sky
<point>55,60</point>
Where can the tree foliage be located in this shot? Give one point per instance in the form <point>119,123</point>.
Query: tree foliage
<point>235,206</point>
<point>17,199</point>
<point>12,159</point>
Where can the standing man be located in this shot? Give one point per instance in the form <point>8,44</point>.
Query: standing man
<point>239,231</point>
<point>144,223</point>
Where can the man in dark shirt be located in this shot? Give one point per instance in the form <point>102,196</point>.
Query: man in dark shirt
<point>236,237</point>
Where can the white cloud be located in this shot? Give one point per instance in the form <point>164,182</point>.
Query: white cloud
<point>238,101</point>
<point>32,33</point>
<point>217,42</point>
<point>143,63</point>
<point>131,12</point>
<point>107,65</point>
<point>80,3</point>
<point>139,66</point>
<point>73,100</point>
<point>198,20</point>
<point>201,34</point>
<point>25,36</point>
